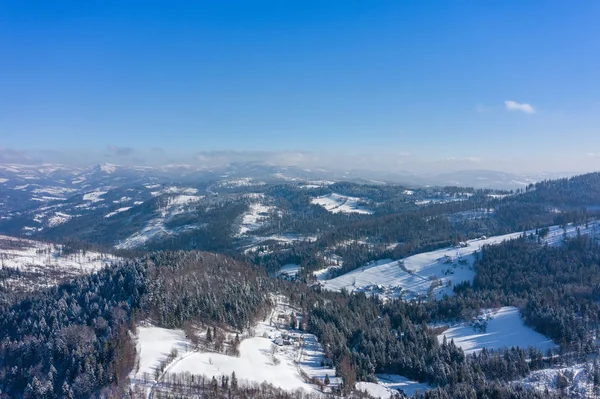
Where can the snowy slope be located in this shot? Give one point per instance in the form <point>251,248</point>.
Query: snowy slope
<point>42,264</point>
<point>505,329</point>
<point>255,217</point>
<point>254,365</point>
<point>446,267</point>
<point>415,274</point>
<point>173,205</point>
<point>336,203</point>
<point>154,345</point>
<point>113,213</point>
<point>580,384</point>
<point>388,385</point>
<point>260,359</point>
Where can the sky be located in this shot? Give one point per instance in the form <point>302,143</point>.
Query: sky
<point>496,84</point>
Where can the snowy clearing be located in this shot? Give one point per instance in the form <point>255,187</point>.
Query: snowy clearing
<point>261,359</point>
<point>336,203</point>
<point>43,264</point>
<point>504,328</point>
<point>436,271</point>
<point>175,205</point>
<point>113,213</point>
<point>154,344</point>
<point>180,190</point>
<point>271,352</point>
<point>578,379</point>
<point>389,384</point>
<point>290,270</point>
<point>94,196</point>
<point>58,219</point>
<point>255,217</point>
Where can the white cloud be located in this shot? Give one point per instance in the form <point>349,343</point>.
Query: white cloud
<point>462,159</point>
<point>593,154</point>
<point>517,106</point>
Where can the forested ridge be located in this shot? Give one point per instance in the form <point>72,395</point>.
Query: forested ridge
<point>75,340</point>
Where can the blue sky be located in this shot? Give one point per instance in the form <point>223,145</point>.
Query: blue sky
<point>439,80</point>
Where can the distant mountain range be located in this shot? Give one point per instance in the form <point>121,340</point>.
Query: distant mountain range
<point>78,178</point>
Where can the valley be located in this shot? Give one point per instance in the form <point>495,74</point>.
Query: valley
<point>354,265</point>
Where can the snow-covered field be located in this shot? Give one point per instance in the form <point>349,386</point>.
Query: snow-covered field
<point>113,213</point>
<point>154,344</point>
<point>255,364</point>
<point>336,203</point>
<point>94,196</point>
<point>437,270</point>
<point>504,329</point>
<point>255,217</point>
<point>175,205</point>
<point>262,356</point>
<point>290,270</point>
<point>577,378</point>
<point>58,218</point>
<point>389,384</point>
<point>262,360</point>
<point>44,264</point>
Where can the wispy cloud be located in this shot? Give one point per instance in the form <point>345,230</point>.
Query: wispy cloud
<point>462,159</point>
<point>9,155</point>
<point>517,106</point>
<point>593,154</point>
<point>121,151</point>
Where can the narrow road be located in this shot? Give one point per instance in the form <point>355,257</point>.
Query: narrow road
<point>167,369</point>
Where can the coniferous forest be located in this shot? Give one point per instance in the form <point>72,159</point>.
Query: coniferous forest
<point>76,339</point>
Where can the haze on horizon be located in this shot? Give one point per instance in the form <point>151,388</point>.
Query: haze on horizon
<point>422,87</point>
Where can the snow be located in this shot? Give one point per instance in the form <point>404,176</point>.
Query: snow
<point>260,359</point>
<point>336,203</point>
<point>547,379</point>
<point>113,213</point>
<point>94,196</point>
<point>46,261</point>
<point>374,390</point>
<point>183,200</point>
<point>241,182</point>
<point>58,219</point>
<point>122,199</point>
<point>389,384</point>
<point>255,217</point>
<point>505,329</point>
<point>53,190</point>
<point>154,345</point>
<point>46,198</point>
<point>180,190</point>
<point>448,264</point>
<point>108,168</point>
<point>175,205</point>
<point>413,276</point>
<point>396,382</point>
<point>253,365</point>
<point>290,269</point>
